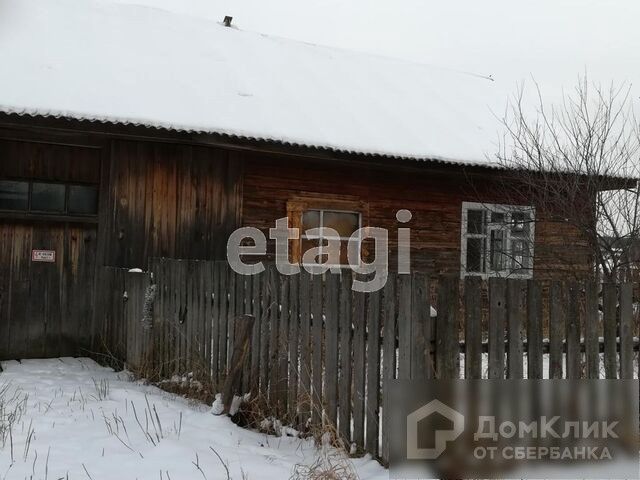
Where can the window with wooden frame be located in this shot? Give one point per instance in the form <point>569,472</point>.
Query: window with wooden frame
<point>345,217</point>
<point>497,240</point>
<point>36,197</point>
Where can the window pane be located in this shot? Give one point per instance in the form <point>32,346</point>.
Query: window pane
<point>520,254</point>
<point>520,224</point>
<point>344,223</point>
<point>310,219</point>
<point>83,199</point>
<point>497,218</point>
<point>475,255</point>
<point>48,197</point>
<point>497,253</point>
<point>307,245</point>
<point>14,195</point>
<point>475,221</point>
<point>344,252</point>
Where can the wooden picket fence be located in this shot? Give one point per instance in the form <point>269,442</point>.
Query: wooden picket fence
<point>320,350</point>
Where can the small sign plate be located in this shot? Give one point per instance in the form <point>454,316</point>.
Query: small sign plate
<point>46,256</point>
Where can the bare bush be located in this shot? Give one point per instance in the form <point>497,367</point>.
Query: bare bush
<point>579,164</point>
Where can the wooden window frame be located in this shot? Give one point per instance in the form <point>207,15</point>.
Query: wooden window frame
<point>64,216</point>
<point>489,209</point>
<point>296,206</point>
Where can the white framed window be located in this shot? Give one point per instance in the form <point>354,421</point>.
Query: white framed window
<point>497,240</point>
<point>344,222</point>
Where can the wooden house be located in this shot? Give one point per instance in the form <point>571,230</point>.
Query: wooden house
<point>165,150</point>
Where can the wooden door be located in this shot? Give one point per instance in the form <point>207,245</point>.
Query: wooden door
<point>46,306</point>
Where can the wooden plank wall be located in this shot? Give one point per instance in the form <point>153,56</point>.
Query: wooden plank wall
<point>170,200</point>
<point>46,308</point>
<point>434,196</point>
<point>324,352</point>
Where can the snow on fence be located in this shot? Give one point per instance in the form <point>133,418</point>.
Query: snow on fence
<point>320,350</point>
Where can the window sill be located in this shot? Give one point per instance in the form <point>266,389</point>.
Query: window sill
<point>43,217</point>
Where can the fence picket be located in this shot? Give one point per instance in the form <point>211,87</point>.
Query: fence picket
<point>358,300</point>
<point>534,330</point>
<point>447,341</point>
<point>223,321</point>
<point>283,344</point>
<point>305,347</point>
<point>292,348</point>
<point>344,386</point>
<point>420,328</point>
<point>388,356</point>
<point>473,327</point>
<point>573,353</point>
<point>497,320</point>
<point>373,372</point>
<point>626,331</point>
<point>316,352</point>
<point>515,321</point>
<point>591,323</point>
<point>274,315</point>
<point>332,290</point>
<point>265,333</point>
<point>557,320</point>
<point>609,300</point>
<point>404,326</point>
<point>257,311</point>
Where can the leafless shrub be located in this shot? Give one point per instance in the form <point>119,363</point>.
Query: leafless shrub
<point>578,163</point>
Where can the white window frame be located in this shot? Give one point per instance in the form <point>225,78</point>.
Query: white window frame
<point>490,208</point>
<point>304,236</point>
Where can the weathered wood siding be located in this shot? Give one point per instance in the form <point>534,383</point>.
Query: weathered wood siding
<point>48,161</point>
<point>165,200</point>
<point>156,199</point>
<point>46,308</point>
<point>434,197</point>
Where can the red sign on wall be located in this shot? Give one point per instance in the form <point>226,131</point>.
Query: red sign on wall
<point>46,256</point>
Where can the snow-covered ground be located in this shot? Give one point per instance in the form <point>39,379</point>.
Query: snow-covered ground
<point>78,420</point>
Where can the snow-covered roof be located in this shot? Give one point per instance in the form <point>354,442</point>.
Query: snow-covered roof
<point>95,60</point>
